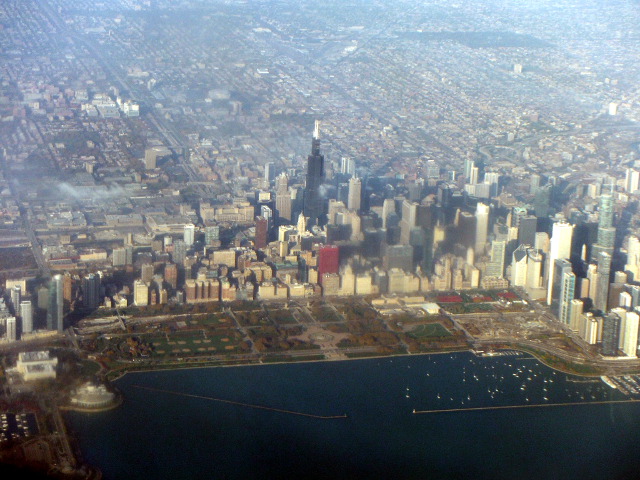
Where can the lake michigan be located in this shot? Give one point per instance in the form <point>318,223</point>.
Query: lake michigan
<point>157,434</point>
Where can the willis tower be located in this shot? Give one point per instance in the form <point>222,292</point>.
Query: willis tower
<point>313,207</point>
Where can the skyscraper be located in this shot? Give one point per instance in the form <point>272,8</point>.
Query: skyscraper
<point>119,257</point>
<point>26,313</point>
<point>348,166</point>
<point>171,274</point>
<point>630,344</point>
<point>610,334</point>
<point>606,230</point>
<point>140,293</point>
<point>519,266</point>
<point>91,291</point>
<point>631,180</point>
<point>482,227</point>
<point>282,183</point>
<point>146,272</point>
<point>560,247</point>
<point>12,329</point>
<point>564,284</point>
<point>283,198</point>
<point>211,234</point>
<point>313,209</point>
<point>328,260</point>
<point>262,232</point>
<point>179,251</point>
<point>189,234</point>
<point>16,298</point>
<point>468,166</point>
<point>527,230</point>
<point>269,172</point>
<point>575,313</point>
<point>601,296</point>
<point>355,194</point>
<point>398,256</point>
<point>606,211</point>
<point>495,268</point>
<point>409,217</point>
<point>56,304</point>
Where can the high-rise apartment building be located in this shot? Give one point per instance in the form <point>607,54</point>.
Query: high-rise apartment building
<point>347,166</point>
<point>610,334</point>
<point>632,180</point>
<point>630,344</point>
<point>16,298</point>
<point>563,292</point>
<point>171,274</point>
<point>12,329</point>
<point>26,313</point>
<point>189,234</point>
<point>211,234</point>
<point>179,251</point>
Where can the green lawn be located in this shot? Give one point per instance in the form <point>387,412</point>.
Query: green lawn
<point>429,330</point>
<point>210,319</point>
<point>325,314</point>
<point>194,343</point>
<point>282,317</point>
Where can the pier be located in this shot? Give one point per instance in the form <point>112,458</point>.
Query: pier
<point>534,405</point>
<point>242,404</point>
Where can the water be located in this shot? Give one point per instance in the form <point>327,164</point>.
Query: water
<point>163,436</point>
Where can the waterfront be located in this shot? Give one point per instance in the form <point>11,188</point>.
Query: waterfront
<point>163,435</point>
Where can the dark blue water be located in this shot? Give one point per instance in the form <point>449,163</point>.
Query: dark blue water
<point>164,436</point>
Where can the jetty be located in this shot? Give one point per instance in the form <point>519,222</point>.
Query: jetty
<point>242,404</point>
<point>533,405</point>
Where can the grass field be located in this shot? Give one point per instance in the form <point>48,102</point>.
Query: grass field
<point>325,314</point>
<point>210,319</point>
<point>194,344</point>
<point>429,330</point>
<point>282,317</point>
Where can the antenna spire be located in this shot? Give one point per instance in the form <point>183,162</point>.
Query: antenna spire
<point>316,130</point>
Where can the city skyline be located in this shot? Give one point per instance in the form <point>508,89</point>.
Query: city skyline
<point>206,183</point>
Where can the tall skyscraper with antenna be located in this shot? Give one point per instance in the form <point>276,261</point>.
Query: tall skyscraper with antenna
<point>313,208</point>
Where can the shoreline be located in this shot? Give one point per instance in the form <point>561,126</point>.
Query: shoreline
<point>527,350</point>
<point>262,363</point>
<point>259,362</point>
